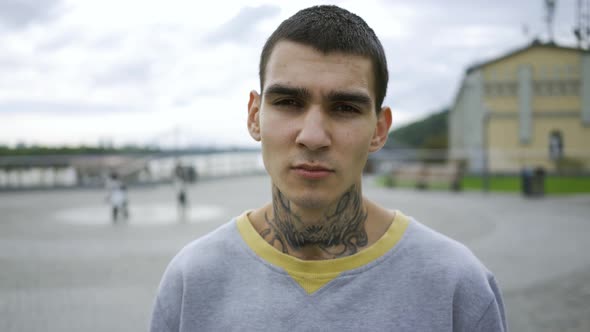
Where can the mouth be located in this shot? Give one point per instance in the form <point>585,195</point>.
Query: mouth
<point>312,171</point>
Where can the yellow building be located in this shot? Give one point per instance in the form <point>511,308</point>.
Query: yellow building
<point>528,108</point>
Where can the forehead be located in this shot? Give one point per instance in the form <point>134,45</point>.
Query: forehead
<point>299,65</point>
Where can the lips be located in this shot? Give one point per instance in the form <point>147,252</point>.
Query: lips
<point>312,171</point>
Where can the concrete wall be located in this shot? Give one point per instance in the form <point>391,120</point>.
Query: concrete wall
<point>585,89</point>
<point>465,122</point>
<point>525,98</point>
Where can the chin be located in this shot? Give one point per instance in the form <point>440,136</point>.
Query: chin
<point>311,203</point>
<point>309,195</point>
<point>309,199</point>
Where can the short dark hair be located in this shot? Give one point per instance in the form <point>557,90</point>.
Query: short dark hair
<point>329,28</point>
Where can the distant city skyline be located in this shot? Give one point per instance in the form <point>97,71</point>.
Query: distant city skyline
<point>177,73</point>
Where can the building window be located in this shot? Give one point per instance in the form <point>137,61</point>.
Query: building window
<point>513,88</point>
<point>548,88</point>
<point>537,88</point>
<point>556,72</point>
<point>563,88</point>
<point>556,88</point>
<point>572,88</point>
<point>501,89</point>
<point>555,145</point>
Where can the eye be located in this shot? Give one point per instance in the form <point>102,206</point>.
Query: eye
<point>287,102</point>
<point>346,109</point>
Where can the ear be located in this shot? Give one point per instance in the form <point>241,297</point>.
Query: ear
<point>254,115</point>
<point>381,129</point>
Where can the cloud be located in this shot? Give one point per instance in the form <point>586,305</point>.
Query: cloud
<point>125,73</point>
<point>10,62</point>
<point>59,40</point>
<point>70,68</point>
<point>60,107</point>
<point>19,14</point>
<point>427,63</point>
<point>241,26</point>
<point>108,41</point>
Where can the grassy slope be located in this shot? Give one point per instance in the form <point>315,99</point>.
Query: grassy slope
<point>553,184</point>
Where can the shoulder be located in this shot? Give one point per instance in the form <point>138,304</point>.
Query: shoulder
<point>201,258</point>
<point>206,251</point>
<point>439,250</point>
<point>445,258</point>
<point>475,294</point>
<point>195,267</point>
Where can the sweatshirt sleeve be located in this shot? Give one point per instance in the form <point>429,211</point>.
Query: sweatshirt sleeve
<point>168,303</point>
<point>158,322</point>
<point>493,319</point>
<point>477,302</point>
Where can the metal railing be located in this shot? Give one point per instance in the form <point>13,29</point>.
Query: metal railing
<point>18,172</point>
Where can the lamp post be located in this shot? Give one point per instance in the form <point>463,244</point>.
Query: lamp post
<point>550,13</point>
<point>484,149</point>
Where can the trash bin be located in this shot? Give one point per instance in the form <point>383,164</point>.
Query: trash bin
<point>533,182</point>
<point>538,182</point>
<point>526,176</point>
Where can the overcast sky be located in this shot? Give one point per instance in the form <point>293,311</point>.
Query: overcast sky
<point>179,72</point>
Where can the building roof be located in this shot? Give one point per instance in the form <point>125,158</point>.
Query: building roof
<point>533,44</point>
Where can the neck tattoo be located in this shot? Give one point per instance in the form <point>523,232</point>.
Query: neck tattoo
<point>340,232</point>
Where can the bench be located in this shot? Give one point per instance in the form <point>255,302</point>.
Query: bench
<point>424,176</point>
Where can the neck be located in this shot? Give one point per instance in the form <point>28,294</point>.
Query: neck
<point>336,231</point>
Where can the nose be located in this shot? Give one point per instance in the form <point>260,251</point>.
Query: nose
<point>314,132</point>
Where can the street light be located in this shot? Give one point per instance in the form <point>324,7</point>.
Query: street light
<point>550,13</point>
<point>484,149</point>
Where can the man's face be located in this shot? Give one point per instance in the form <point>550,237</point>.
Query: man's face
<point>316,122</point>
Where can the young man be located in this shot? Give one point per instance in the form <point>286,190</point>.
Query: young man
<point>321,257</point>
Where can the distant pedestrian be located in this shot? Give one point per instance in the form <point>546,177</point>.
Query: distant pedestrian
<point>117,197</point>
<point>180,185</point>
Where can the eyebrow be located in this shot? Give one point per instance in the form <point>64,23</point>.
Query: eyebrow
<point>334,96</point>
<point>353,97</point>
<point>279,89</point>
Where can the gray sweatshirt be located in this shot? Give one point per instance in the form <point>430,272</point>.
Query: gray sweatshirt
<point>412,279</point>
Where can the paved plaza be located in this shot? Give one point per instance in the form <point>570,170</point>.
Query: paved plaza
<point>64,266</point>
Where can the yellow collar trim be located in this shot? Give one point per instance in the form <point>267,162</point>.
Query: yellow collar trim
<point>312,275</point>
